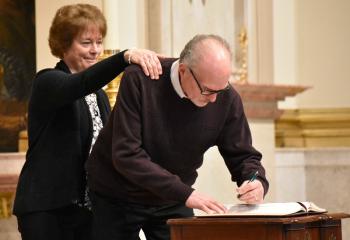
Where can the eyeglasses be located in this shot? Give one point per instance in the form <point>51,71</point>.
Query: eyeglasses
<point>206,91</point>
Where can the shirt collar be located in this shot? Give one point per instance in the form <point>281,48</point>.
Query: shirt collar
<point>175,80</point>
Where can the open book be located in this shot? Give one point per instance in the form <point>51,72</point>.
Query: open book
<point>269,209</point>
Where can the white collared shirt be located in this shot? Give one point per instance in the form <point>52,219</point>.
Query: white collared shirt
<point>175,80</point>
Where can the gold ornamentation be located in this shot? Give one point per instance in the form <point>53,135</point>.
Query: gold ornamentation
<point>241,76</point>
<point>8,184</point>
<point>112,88</point>
<point>6,200</point>
<point>306,128</point>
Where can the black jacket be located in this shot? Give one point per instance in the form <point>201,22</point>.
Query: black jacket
<point>60,133</point>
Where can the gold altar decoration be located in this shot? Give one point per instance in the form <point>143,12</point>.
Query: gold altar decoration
<point>112,88</point>
<point>8,185</point>
<point>305,128</point>
<point>241,76</point>
<point>6,200</point>
<point>12,162</point>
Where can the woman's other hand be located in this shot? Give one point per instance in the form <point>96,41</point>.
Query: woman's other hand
<point>147,59</point>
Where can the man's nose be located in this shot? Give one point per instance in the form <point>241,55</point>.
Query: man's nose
<point>212,97</point>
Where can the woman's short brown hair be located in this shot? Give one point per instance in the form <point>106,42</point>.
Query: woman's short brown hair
<point>69,21</point>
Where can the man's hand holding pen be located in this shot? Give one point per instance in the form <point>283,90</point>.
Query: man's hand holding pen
<point>251,191</point>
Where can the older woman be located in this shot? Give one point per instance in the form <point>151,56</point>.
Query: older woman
<point>66,111</point>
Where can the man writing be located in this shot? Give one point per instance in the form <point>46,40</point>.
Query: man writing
<point>146,158</point>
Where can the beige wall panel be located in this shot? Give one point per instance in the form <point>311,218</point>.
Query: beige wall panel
<point>323,50</point>
<point>189,19</point>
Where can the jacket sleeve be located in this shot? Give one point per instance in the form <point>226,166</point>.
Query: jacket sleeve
<point>55,88</point>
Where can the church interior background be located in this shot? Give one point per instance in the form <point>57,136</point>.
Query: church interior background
<point>291,69</point>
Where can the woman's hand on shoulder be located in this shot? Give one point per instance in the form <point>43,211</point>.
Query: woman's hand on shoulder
<point>147,59</point>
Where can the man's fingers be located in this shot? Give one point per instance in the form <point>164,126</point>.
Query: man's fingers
<point>213,207</point>
<point>254,195</point>
<point>204,203</point>
<point>219,208</point>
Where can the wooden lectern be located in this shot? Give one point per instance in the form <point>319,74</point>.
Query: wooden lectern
<point>307,227</point>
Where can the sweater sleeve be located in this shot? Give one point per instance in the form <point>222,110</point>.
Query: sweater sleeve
<point>129,157</point>
<point>55,88</point>
<point>235,145</point>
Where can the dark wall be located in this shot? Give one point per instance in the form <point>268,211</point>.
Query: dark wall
<point>17,67</point>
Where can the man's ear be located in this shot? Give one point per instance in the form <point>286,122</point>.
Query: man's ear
<point>182,69</point>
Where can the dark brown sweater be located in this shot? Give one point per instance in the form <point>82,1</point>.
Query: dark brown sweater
<point>152,145</point>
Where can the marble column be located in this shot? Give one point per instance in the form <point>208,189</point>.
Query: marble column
<point>110,10</point>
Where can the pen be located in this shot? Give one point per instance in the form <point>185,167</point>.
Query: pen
<point>250,180</point>
<point>254,176</point>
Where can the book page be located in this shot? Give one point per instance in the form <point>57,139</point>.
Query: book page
<point>266,209</point>
<point>313,208</point>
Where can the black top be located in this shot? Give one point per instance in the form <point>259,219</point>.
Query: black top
<point>60,133</point>
<point>153,143</point>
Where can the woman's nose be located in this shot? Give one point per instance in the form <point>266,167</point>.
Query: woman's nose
<point>93,48</point>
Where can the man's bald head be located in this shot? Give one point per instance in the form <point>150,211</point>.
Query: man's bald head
<point>201,47</point>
